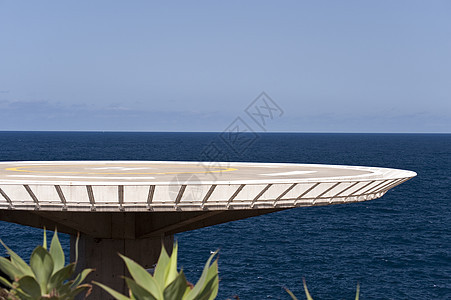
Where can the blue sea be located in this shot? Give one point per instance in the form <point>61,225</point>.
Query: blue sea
<point>396,247</point>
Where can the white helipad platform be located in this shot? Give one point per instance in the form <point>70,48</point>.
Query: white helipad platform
<point>186,186</point>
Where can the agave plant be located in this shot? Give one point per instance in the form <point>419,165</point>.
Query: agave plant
<point>46,277</point>
<point>167,282</point>
<point>309,297</point>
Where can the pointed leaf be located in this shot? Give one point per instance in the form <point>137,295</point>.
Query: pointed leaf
<point>112,292</point>
<point>58,279</point>
<point>209,289</point>
<point>29,286</point>
<point>5,282</point>
<point>80,277</point>
<point>357,294</point>
<point>57,253</point>
<point>171,272</point>
<point>79,289</point>
<point>65,288</point>
<point>142,277</point>
<point>17,261</point>
<point>140,292</point>
<point>291,294</point>
<point>200,283</point>
<point>213,275</point>
<point>22,295</point>
<point>307,294</point>
<point>42,265</point>
<point>9,268</point>
<point>177,288</point>
<point>76,247</point>
<point>160,269</point>
<point>44,243</point>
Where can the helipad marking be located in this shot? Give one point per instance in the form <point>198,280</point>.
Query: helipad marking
<point>77,177</point>
<point>21,169</point>
<point>120,168</point>
<point>289,173</point>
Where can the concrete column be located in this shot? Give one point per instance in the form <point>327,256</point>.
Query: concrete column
<point>102,255</point>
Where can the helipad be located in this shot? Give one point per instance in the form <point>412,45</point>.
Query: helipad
<point>165,186</point>
<point>132,206</point>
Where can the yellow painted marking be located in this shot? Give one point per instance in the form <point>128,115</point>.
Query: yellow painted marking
<point>21,169</point>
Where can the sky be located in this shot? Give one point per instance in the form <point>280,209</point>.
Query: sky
<point>327,66</point>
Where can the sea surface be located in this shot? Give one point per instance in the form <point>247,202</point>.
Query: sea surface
<point>396,247</point>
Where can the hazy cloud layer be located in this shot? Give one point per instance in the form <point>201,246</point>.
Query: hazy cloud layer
<point>44,115</point>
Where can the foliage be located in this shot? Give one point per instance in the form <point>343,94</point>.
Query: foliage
<point>167,282</point>
<point>46,277</point>
<point>309,297</point>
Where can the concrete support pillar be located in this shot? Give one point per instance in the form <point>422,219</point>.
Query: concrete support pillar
<point>102,255</point>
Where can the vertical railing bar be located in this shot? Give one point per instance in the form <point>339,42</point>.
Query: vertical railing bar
<point>207,196</point>
<point>180,194</point>
<point>260,194</point>
<point>347,188</point>
<point>120,196</point>
<point>284,193</point>
<point>91,197</point>
<point>7,198</point>
<point>150,196</point>
<point>306,192</point>
<point>32,195</point>
<point>235,194</point>
<point>60,193</point>
<point>371,189</point>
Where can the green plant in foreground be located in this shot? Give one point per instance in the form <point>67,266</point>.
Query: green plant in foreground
<point>167,282</point>
<point>309,297</point>
<point>46,277</point>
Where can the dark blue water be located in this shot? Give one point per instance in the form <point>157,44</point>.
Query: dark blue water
<point>396,247</point>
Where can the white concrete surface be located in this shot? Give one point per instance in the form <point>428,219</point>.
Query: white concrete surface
<point>186,186</point>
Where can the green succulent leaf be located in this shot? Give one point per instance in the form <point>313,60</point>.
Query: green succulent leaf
<point>65,288</point>
<point>177,288</point>
<point>80,277</point>
<point>18,262</point>
<point>357,294</point>
<point>76,247</point>
<point>9,268</point>
<point>140,292</point>
<point>42,265</point>
<point>22,295</point>
<point>44,242</point>
<point>200,283</point>
<point>307,294</point>
<point>142,277</point>
<point>160,269</point>
<point>213,280</point>
<point>291,294</point>
<point>78,290</point>
<point>209,290</point>
<point>57,253</point>
<point>112,292</point>
<point>29,286</point>
<point>57,279</point>
<point>212,274</point>
<point>171,269</point>
<point>5,282</point>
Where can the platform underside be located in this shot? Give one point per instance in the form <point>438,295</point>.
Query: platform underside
<point>119,225</point>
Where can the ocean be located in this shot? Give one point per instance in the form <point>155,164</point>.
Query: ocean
<point>395,247</point>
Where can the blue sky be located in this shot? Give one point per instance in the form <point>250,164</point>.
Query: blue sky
<point>331,66</point>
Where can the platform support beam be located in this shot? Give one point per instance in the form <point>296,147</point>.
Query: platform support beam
<point>102,255</point>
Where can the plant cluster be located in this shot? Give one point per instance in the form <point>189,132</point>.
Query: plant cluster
<point>46,277</point>
<point>167,282</point>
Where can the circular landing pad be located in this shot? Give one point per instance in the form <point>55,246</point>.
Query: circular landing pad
<point>169,185</point>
